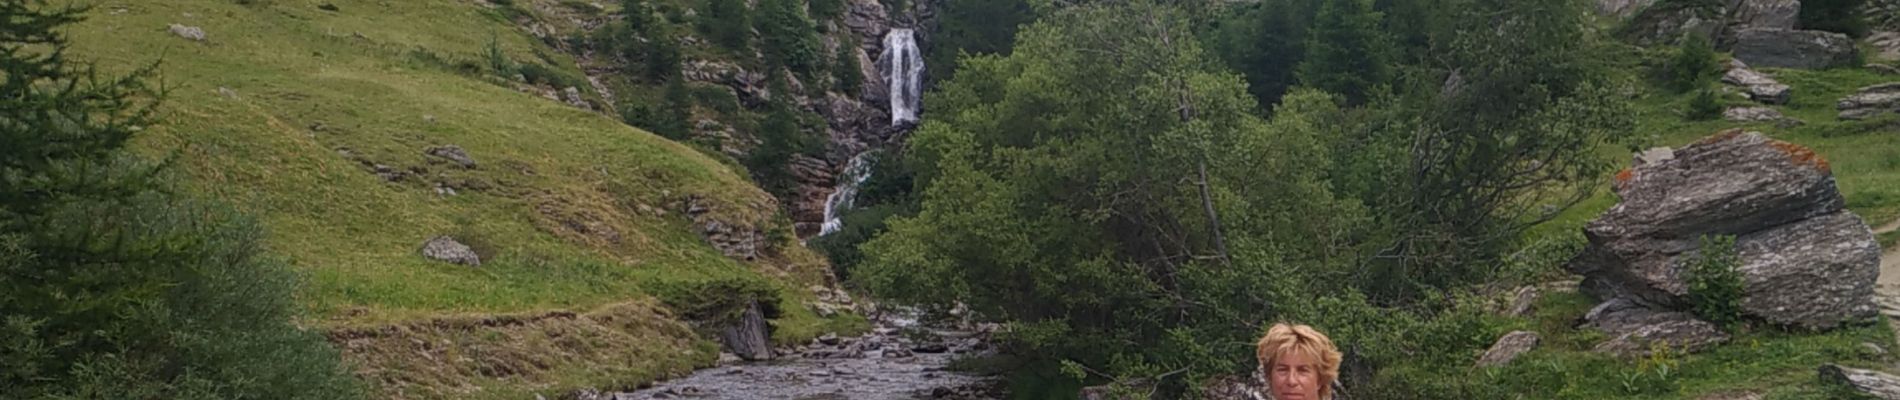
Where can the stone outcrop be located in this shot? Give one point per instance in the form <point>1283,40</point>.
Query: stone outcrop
<point>1634,330</point>
<point>1753,114</point>
<point>1806,260</point>
<point>1756,85</point>
<point>748,337</point>
<point>1784,48</point>
<point>1870,101</point>
<point>1508,348</point>
<point>1886,45</point>
<point>1666,23</point>
<point>450,153</point>
<point>191,33</point>
<point>1762,14</point>
<point>447,249</point>
<point>736,239</point>
<point>1872,383</point>
<point>1621,8</point>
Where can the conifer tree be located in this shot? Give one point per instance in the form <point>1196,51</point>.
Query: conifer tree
<point>1346,51</point>
<point>111,284</point>
<point>727,23</point>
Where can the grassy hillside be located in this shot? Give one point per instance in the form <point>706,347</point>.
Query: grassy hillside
<point>285,106</point>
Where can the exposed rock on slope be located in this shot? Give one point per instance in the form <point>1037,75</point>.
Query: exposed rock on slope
<point>1783,48</point>
<point>1870,101</point>
<point>1807,261</point>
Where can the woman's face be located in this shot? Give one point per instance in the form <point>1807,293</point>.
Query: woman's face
<point>1294,376</point>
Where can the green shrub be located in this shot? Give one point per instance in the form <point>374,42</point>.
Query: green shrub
<point>1694,64</point>
<point>1842,16</point>
<point>1715,286</point>
<point>498,61</point>
<point>112,284</point>
<point>1704,106</point>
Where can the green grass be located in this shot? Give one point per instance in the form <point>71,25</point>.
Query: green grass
<point>1774,363</point>
<point>557,212</point>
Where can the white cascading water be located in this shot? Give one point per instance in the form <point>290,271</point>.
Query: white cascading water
<point>905,74</point>
<point>903,70</point>
<point>840,200</point>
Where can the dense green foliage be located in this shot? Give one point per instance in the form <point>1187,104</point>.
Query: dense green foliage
<point>1694,65</point>
<point>1843,16</point>
<point>1346,51</point>
<point>1265,44</point>
<point>846,70</point>
<point>1715,285</point>
<point>1704,106</point>
<point>727,23</point>
<point>112,284</point>
<point>787,37</point>
<point>1110,188</point>
<point>973,27</point>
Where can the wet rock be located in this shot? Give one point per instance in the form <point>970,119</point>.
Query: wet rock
<point>1758,87</point>
<point>1876,384</point>
<point>1634,330</point>
<point>1508,348</point>
<point>192,33</point>
<point>446,249</point>
<point>748,337</point>
<point>1785,48</point>
<point>931,348</point>
<point>1870,101</point>
<point>897,353</point>
<point>1806,261</point>
<point>450,153</point>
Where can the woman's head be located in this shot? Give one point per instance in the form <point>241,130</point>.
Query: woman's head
<point>1299,362</point>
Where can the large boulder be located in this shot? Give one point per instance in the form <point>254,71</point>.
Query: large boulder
<point>1762,14</point>
<point>1876,384</point>
<point>447,249</point>
<point>1668,23</point>
<point>1806,260</point>
<point>1785,48</point>
<point>748,337</point>
<point>1870,101</point>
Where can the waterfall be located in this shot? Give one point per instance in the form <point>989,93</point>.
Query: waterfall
<point>905,74</point>
<point>840,200</point>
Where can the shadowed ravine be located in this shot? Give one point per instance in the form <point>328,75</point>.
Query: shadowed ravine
<point>898,360</point>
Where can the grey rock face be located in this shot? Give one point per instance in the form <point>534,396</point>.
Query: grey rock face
<point>1878,384</point>
<point>1758,86</point>
<point>1784,48</point>
<point>1886,44</point>
<point>749,337</point>
<point>1635,330</point>
<point>451,153</point>
<point>732,239</point>
<point>1508,348</point>
<point>446,249</point>
<point>1806,261</point>
<point>1763,14</point>
<point>1870,101</point>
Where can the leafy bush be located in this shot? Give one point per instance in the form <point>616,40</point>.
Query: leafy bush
<point>112,284</point>
<point>1715,286</point>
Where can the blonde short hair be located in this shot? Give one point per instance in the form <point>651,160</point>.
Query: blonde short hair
<point>1284,338</point>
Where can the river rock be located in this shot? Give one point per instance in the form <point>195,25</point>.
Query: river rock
<point>1870,101</point>
<point>1508,348</point>
<point>1785,48</point>
<point>749,336</point>
<point>446,249</point>
<point>1877,384</point>
<point>1759,87</point>
<point>1806,261</point>
<point>1634,330</point>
